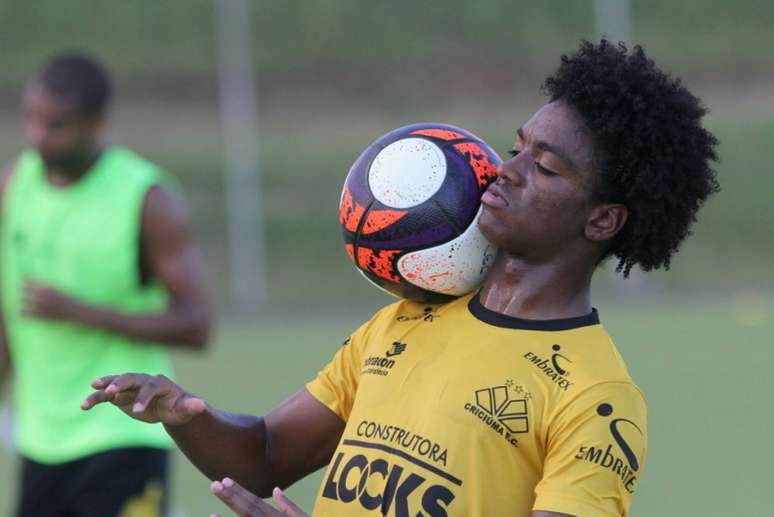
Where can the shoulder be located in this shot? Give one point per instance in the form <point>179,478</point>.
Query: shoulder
<point>132,166</point>
<point>163,211</point>
<point>5,176</point>
<point>591,355</point>
<point>407,313</point>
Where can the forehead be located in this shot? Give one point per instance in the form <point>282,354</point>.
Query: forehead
<point>559,125</point>
<point>37,97</point>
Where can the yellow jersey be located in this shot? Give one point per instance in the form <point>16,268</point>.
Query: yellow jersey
<point>458,410</point>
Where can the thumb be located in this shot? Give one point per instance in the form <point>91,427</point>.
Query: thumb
<point>193,406</point>
<point>285,505</point>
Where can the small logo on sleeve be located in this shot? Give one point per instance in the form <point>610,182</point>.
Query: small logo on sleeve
<point>625,468</point>
<point>555,367</point>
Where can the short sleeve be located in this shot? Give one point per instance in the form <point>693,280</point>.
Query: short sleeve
<point>336,384</point>
<point>595,450</point>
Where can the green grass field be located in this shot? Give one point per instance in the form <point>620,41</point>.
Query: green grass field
<point>703,364</point>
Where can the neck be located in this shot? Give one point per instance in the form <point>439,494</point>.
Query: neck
<point>65,174</point>
<point>554,290</point>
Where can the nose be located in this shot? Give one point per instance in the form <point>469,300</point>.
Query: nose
<point>509,171</point>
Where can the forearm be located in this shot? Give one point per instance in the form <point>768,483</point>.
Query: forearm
<point>183,326</point>
<point>223,444</point>
<point>5,356</point>
<point>5,371</point>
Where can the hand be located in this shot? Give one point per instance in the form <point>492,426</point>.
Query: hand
<point>246,504</point>
<point>147,398</point>
<point>41,301</point>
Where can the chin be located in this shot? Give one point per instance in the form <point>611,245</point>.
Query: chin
<point>492,229</point>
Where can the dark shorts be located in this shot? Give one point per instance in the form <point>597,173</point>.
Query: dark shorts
<point>114,483</point>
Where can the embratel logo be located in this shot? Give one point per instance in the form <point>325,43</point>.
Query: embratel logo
<point>555,367</point>
<point>378,365</point>
<point>505,415</point>
<point>625,468</point>
<point>428,314</point>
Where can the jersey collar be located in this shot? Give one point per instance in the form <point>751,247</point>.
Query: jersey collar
<point>511,322</point>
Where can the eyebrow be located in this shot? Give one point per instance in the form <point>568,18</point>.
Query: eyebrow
<point>553,149</point>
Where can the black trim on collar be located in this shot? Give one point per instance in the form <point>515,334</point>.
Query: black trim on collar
<point>511,322</point>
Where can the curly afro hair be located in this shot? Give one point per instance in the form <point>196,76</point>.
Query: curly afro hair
<point>651,152</point>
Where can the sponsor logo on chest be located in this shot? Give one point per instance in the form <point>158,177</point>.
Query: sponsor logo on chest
<point>393,470</point>
<point>382,364</point>
<point>503,409</point>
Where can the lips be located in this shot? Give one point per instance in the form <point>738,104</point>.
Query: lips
<point>494,197</point>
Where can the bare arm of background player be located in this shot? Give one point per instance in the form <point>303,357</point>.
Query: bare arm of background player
<point>169,257</point>
<point>5,354</point>
<point>293,440</point>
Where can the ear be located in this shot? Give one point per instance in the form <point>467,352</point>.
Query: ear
<point>605,221</point>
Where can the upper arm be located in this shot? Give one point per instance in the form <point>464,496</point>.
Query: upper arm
<point>5,178</point>
<point>595,451</point>
<point>305,430</point>
<point>5,354</point>
<point>167,250</point>
<point>302,434</point>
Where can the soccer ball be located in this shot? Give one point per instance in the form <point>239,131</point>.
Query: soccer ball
<point>409,212</point>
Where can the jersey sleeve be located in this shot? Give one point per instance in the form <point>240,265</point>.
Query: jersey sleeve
<point>336,384</point>
<point>595,450</point>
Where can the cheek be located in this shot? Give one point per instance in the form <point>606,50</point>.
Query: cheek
<point>563,207</point>
<point>65,139</point>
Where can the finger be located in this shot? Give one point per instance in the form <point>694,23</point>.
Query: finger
<point>192,406</point>
<point>230,497</point>
<point>95,398</point>
<point>102,381</point>
<point>285,505</point>
<point>242,502</point>
<point>147,393</point>
<point>126,382</point>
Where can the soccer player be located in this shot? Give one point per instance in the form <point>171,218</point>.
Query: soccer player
<point>98,273</point>
<point>509,401</point>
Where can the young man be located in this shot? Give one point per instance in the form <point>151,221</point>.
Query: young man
<point>512,400</point>
<point>98,272</point>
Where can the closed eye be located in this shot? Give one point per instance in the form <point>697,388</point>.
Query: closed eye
<point>543,170</point>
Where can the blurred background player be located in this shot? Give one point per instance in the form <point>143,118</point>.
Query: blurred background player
<point>98,273</point>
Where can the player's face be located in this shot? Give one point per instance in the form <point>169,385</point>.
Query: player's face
<point>542,197</point>
<point>55,127</point>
